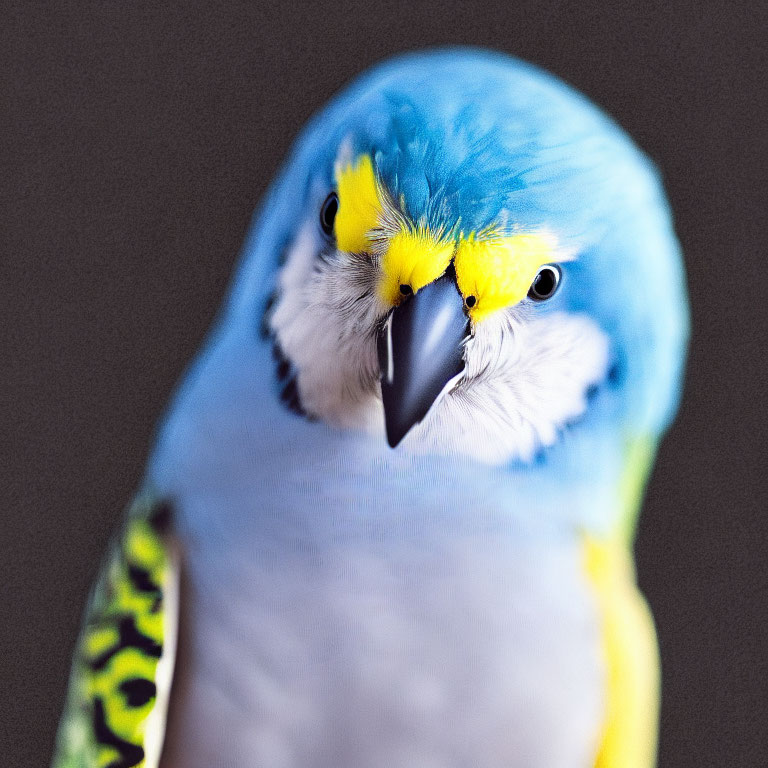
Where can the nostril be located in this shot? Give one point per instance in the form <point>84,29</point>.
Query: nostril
<point>406,289</point>
<point>471,301</point>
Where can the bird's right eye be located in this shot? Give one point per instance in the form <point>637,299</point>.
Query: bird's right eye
<point>328,213</point>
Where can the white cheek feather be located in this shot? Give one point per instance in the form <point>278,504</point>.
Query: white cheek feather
<point>526,374</point>
<point>325,322</point>
<point>526,378</point>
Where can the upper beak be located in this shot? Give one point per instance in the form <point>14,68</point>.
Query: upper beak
<point>421,350</point>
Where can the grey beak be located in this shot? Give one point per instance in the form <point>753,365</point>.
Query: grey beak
<point>420,350</point>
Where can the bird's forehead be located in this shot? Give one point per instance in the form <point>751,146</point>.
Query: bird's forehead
<point>495,265</point>
<point>443,176</point>
<point>377,194</point>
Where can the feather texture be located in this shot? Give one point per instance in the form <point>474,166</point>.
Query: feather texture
<point>462,600</point>
<point>121,673</point>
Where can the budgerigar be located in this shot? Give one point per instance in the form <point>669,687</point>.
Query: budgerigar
<point>388,519</point>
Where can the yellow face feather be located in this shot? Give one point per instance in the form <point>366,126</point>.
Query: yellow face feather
<point>359,205</point>
<point>498,271</point>
<point>495,270</point>
<point>414,258</point>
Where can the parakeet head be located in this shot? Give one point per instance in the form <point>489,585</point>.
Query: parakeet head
<point>474,261</point>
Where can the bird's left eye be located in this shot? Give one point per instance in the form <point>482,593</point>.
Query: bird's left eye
<point>545,284</point>
<point>328,213</point>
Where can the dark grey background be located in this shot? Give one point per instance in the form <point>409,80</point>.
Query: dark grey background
<point>138,138</point>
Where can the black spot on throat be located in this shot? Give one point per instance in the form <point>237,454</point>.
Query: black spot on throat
<point>291,399</point>
<point>286,375</point>
<point>264,329</point>
<point>284,371</point>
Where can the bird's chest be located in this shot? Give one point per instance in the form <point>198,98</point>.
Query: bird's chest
<point>326,638</point>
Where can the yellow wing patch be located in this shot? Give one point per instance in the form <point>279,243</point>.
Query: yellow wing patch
<point>115,711</point>
<point>359,205</point>
<point>414,258</point>
<point>629,737</point>
<point>498,271</point>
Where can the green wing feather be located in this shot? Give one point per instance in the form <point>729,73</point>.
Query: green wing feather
<point>640,451</point>
<point>114,716</point>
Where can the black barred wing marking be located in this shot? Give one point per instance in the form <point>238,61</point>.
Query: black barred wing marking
<point>121,674</point>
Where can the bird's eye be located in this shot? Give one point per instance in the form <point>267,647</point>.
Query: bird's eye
<point>544,285</point>
<point>328,213</point>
